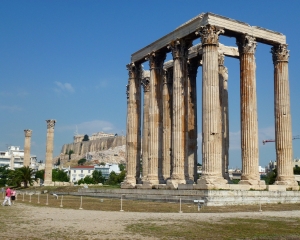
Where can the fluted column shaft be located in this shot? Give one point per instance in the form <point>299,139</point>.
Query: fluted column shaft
<point>192,132</point>
<point>49,151</point>
<point>223,77</point>
<point>167,123</point>
<point>283,123</point>
<point>249,123</point>
<point>27,144</point>
<point>156,61</point>
<point>133,136</point>
<point>12,161</point>
<point>211,111</point>
<point>179,116</point>
<point>146,86</point>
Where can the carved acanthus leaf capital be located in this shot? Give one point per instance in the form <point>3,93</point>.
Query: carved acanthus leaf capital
<point>280,53</point>
<point>50,123</point>
<point>246,44</point>
<point>221,58</point>
<point>156,59</point>
<point>146,84</point>
<point>180,48</point>
<point>210,34</point>
<point>28,132</point>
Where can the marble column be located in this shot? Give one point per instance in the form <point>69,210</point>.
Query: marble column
<point>167,123</point>
<point>49,152</point>
<point>283,123</point>
<point>211,177</point>
<point>12,161</point>
<point>146,86</point>
<point>27,144</point>
<point>179,116</point>
<point>156,60</point>
<point>133,135</point>
<point>223,78</point>
<point>249,124</point>
<point>192,132</point>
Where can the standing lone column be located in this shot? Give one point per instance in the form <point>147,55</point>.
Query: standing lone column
<point>249,125</point>
<point>167,123</point>
<point>156,61</point>
<point>12,161</point>
<point>49,152</point>
<point>27,144</point>
<point>211,111</point>
<point>146,86</point>
<point>283,123</point>
<point>192,132</point>
<point>179,121</point>
<point>223,77</point>
<point>133,136</point>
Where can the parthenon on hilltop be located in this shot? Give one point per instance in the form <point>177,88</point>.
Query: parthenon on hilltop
<point>168,143</point>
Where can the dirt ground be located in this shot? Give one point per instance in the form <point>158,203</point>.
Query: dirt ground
<point>23,221</point>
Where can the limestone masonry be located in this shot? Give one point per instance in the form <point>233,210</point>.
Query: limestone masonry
<point>167,143</point>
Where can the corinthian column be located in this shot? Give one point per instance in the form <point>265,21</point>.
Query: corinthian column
<point>28,133</point>
<point>146,86</point>
<point>223,77</point>
<point>133,136</point>
<point>179,116</point>
<point>192,131</point>
<point>156,61</point>
<point>283,123</point>
<point>49,152</point>
<point>167,122</point>
<point>211,111</point>
<point>249,125</point>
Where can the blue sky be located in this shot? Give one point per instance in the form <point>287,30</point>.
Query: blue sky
<point>66,60</point>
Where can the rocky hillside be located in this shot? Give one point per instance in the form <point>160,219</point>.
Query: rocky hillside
<point>108,150</point>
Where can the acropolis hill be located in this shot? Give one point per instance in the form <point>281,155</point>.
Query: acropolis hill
<point>110,149</point>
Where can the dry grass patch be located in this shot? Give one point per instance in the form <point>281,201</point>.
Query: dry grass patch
<point>239,228</point>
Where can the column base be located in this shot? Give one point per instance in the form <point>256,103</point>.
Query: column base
<point>48,183</point>
<point>127,184</point>
<point>173,183</point>
<point>210,182</point>
<point>252,182</point>
<point>289,184</point>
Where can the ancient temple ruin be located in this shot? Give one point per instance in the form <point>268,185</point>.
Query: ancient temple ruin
<point>167,138</point>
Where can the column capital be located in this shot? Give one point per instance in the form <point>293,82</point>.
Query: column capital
<point>133,70</point>
<point>28,132</point>
<point>210,34</point>
<point>50,123</point>
<point>221,58</point>
<point>280,53</point>
<point>180,48</point>
<point>146,84</point>
<point>156,59</point>
<point>246,44</point>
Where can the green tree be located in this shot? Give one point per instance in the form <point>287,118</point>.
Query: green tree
<point>297,170</point>
<point>4,171</point>
<point>102,164</point>
<point>97,176</point>
<point>22,175</point>
<point>85,138</point>
<point>271,177</point>
<point>81,161</point>
<point>121,167</point>
<point>40,174</point>
<point>59,175</point>
<point>115,179</point>
<point>70,153</point>
<point>87,180</point>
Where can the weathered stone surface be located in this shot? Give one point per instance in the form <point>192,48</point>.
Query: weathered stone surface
<point>27,144</point>
<point>49,152</point>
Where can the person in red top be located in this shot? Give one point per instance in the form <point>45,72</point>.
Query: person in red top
<point>7,197</point>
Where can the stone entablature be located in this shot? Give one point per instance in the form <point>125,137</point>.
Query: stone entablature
<point>170,104</point>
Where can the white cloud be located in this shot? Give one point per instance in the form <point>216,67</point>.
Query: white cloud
<point>102,84</point>
<point>91,127</point>
<point>63,87</point>
<point>10,108</point>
